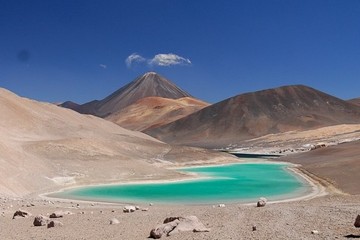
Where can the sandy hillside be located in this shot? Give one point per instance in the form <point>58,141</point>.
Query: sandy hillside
<point>339,165</point>
<point>155,111</point>
<point>45,147</point>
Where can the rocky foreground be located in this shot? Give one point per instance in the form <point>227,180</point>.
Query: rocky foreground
<point>327,217</point>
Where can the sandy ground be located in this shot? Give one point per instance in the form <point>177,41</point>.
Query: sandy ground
<point>332,215</point>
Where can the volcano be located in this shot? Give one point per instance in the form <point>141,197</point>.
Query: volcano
<point>150,84</point>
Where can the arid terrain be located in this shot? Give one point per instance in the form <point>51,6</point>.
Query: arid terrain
<point>47,148</point>
<point>57,147</point>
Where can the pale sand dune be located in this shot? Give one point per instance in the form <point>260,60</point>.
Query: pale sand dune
<point>41,143</point>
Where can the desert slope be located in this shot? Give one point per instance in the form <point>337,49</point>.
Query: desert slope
<point>45,147</point>
<point>257,114</point>
<point>155,111</point>
<point>340,165</point>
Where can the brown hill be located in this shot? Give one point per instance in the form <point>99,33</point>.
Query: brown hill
<point>44,147</point>
<point>155,111</point>
<point>339,165</point>
<point>355,101</point>
<point>148,85</point>
<point>256,114</point>
<point>69,104</point>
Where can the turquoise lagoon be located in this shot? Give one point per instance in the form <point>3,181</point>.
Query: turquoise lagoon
<point>243,182</point>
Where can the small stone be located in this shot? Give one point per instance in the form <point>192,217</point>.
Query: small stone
<point>221,205</point>
<point>41,220</point>
<point>151,204</point>
<point>254,228</point>
<point>357,221</point>
<point>262,202</point>
<point>21,213</point>
<point>144,209</point>
<point>314,232</point>
<point>114,221</point>
<point>129,209</point>
<point>54,223</point>
<point>137,208</point>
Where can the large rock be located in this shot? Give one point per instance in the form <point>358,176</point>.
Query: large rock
<point>21,214</point>
<point>190,223</point>
<point>357,221</point>
<point>41,220</point>
<point>262,202</point>
<point>174,225</point>
<point>163,229</point>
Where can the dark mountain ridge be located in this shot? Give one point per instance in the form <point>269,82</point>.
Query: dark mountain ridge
<point>255,114</point>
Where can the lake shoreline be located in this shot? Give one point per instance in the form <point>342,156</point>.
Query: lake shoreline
<point>316,188</point>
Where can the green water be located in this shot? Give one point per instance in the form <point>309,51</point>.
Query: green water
<point>227,183</point>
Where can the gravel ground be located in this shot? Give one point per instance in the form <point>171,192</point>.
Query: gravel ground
<point>332,216</point>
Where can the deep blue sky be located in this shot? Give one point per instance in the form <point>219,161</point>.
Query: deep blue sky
<point>52,50</point>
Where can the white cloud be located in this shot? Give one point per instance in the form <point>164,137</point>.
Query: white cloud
<point>103,66</point>
<point>162,60</point>
<point>165,60</point>
<point>134,58</point>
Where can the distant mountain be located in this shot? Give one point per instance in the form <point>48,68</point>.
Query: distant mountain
<point>148,85</point>
<point>256,114</point>
<point>355,101</point>
<point>154,112</point>
<point>69,104</point>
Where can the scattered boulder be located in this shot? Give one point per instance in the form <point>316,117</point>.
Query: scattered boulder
<point>190,223</point>
<point>357,221</point>
<point>129,209</point>
<point>114,221</point>
<point>163,229</point>
<point>21,214</point>
<point>54,223</point>
<point>137,207</point>
<point>174,225</point>
<point>145,209</point>
<point>262,202</point>
<point>41,220</point>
